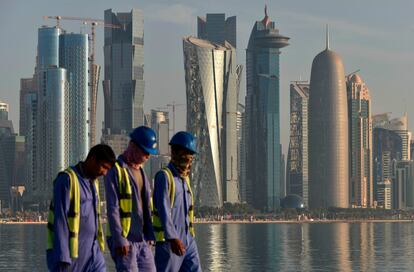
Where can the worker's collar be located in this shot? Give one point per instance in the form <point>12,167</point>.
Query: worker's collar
<point>173,170</point>
<point>80,168</point>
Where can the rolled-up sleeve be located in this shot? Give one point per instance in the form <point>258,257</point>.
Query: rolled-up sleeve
<point>112,208</point>
<point>61,204</point>
<point>163,205</point>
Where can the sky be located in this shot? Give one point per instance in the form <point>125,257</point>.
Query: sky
<point>375,36</point>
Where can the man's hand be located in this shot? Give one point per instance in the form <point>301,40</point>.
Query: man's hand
<point>123,250</point>
<point>177,247</point>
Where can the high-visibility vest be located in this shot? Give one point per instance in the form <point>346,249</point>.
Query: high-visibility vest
<point>156,222</point>
<point>74,216</point>
<point>125,200</point>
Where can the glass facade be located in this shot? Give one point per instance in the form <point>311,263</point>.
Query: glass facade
<point>297,174</point>
<point>73,56</point>
<point>124,71</point>
<point>210,76</point>
<point>216,28</point>
<point>263,151</point>
<point>4,111</point>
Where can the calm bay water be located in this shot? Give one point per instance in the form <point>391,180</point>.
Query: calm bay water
<point>257,247</point>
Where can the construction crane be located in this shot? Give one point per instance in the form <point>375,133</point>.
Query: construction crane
<point>173,105</point>
<point>94,69</point>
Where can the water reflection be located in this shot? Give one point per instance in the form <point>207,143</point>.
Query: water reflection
<point>257,247</point>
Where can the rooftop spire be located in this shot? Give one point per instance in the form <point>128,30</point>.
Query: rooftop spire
<point>265,20</point>
<point>327,37</point>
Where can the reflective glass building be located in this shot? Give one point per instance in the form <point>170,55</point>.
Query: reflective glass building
<point>262,116</point>
<point>73,56</point>
<point>216,28</point>
<point>211,80</point>
<point>124,71</point>
<point>297,173</point>
<point>50,135</point>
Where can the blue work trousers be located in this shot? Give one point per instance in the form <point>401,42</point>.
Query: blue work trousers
<point>86,262</point>
<point>167,261</point>
<point>139,258</point>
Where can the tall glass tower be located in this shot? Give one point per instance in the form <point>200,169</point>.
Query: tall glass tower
<point>124,71</point>
<point>216,28</point>
<point>211,79</point>
<point>262,115</point>
<point>297,174</point>
<point>50,150</point>
<point>73,56</point>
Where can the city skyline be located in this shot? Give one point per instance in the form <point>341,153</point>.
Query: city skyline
<point>362,41</point>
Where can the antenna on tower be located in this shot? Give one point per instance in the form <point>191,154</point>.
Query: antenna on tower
<point>327,37</point>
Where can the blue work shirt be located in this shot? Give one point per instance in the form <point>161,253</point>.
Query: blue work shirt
<point>88,218</point>
<point>141,225</point>
<point>175,222</point>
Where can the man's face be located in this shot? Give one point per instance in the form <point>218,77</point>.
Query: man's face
<point>140,156</point>
<point>100,168</point>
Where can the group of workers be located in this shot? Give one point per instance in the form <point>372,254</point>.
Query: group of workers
<point>137,216</point>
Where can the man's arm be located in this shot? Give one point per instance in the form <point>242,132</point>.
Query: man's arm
<point>61,204</point>
<point>163,205</point>
<point>112,208</point>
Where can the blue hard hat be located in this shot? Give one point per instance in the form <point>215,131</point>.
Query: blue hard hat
<point>145,138</point>
<point>185,140</point>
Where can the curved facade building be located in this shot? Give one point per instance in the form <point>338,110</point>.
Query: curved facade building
<point>328,133</point>
<point>52,141</point>
<point>74,58</point>
<point>210,77</point>
<point>262,117</point>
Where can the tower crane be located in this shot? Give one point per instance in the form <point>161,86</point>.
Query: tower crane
<point>94,69</point>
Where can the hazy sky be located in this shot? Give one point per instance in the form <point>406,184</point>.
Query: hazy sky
<point>376,36</point>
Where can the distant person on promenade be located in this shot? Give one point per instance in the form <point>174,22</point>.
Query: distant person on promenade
<point>75,236</point>
<point>173,215</point>
<point>128,197</point>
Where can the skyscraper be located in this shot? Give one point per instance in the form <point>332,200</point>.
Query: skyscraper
<point>211,79</point>
<point>328,132</point>
<point>27,88</point>
<point>73,56</point>
<point>124,71</point>
<point>51,132</point>
<point>360,136</point>
<point>217,29</point>
<point>297,174</point>
<point>160,124</point>
<point>4,111</point>
<point>263,115</point>
<point>11,148</point>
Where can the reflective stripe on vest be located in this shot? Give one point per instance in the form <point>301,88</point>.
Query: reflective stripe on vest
<point>74,216</point>
<point>125,200</point>
<point>156,222</point>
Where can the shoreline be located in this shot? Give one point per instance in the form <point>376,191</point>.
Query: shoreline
<point>264,221</point>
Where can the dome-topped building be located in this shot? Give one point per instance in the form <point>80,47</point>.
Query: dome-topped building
<point>328,132</point>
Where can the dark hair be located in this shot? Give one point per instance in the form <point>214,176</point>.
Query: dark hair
<point>102,152</point>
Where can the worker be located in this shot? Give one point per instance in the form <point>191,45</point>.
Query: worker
<point>75,235</point>
<point>128,196</point>
<point>173,215</point>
